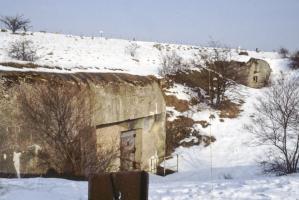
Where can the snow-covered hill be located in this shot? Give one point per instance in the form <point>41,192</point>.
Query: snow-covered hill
<point>235,174</point>
<point>96,54</point>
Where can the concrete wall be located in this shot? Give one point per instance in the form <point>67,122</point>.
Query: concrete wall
<point>124,102</point>
<point>255,73</point>
<point>150,138</point>
<point>120,102</point>
<point>258,73</point>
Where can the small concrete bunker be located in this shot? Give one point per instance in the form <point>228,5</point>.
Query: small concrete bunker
<point>131,114</point>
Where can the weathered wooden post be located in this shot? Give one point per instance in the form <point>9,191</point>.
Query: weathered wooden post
<point>119,186</point>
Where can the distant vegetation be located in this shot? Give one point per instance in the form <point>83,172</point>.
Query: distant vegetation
<point>295,60</point>
<point>283,52</point>
<point>22,50</point>
<point>15,23</point>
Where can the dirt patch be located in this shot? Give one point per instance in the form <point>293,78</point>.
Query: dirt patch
<point>244,53</point>
<point>182,128</point>
<point>229,109</point>
<point>176,131</point>
<point>178,104</point>
<point>203,123</point>
<point>19,65</point>
<point>193,79</point>
<point>199,139</point>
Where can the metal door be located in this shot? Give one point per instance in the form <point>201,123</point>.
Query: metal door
<point>127,150</point>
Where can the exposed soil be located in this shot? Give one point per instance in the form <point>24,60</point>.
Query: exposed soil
<point>77,78</point>
<point>180,129</point>
<point>229,109</point>
<point>178,104</point>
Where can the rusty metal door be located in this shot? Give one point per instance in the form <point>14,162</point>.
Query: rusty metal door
<point>127,150</point>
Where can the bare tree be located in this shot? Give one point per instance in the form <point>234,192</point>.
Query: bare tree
<point>22,50</point>
<point>15,23</point>
<point>6,112</point>
<point>171,63</point>
<point>99,157</point>
<point>276,124</point>
<point>132,48</point>
<point>58,114</point>
<point>294,64</point>
<point>220,73</point>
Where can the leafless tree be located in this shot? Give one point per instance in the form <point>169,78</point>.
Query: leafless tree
<point>8,111</point>
<point>220,72</point>
<point>23,49</point>
<point>132,48</point>
<point>58,114</point>
<point>15,23</point>
<point>294,64</point>
<point>171,63</point>
<point>99,157</point>
<point>276,124</point>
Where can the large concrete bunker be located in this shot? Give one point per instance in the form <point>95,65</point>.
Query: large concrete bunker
<point>131,114</point>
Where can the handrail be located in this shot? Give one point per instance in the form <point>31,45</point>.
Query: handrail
<point>154,162</point>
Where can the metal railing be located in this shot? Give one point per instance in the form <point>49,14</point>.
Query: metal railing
<point>163,162</point>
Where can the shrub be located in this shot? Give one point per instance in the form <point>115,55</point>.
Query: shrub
<point>22,50</point>
<point>244,53</point>
<point>171,63</point>
<point>132,48</point>
<point>283,52</point>
<point>294,64</point>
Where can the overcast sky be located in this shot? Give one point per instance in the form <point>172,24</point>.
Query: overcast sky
<point>267,24</point>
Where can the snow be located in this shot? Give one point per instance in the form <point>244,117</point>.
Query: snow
<point>92,54</point>
<point>98,54</point>
<point>39,188</point>
<point>180,91</point>
<point>233,157</point>
<point>181,188</point>
<point>16,162</point>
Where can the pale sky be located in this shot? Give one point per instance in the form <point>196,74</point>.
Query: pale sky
<point>266,24</point>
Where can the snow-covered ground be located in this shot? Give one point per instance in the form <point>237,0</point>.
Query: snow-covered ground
<point>262,188</point>
<point>233,156</point>
<point>98,54</point>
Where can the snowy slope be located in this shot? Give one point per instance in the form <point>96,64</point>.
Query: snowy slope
<point>93,53</point>
<point>96,54</point>
<point>234,153</point>
<point>235,174</point>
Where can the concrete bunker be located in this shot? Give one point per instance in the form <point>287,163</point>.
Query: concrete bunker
<point>131,114</point>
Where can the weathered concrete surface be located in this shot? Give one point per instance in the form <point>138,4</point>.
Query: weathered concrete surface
<point>124,102</point>
<point>149,142</point>
<point>255,73</point>
<point>258,73</point>
<point>120,102</point>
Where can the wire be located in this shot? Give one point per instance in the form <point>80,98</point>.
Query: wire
<point>210,134</point>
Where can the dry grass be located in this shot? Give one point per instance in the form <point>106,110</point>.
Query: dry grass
<point>178,104</point>
<point>229,109</point>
